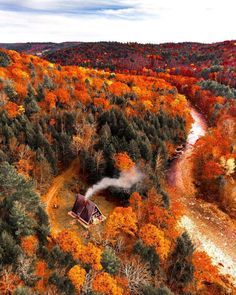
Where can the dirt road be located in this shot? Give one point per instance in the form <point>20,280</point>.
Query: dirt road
<point>210,229</point>
<point>58,183</point>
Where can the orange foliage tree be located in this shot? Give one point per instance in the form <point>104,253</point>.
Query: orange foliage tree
<point>119,88</point>
<point>12,109</point>
<point>212,170</point>
<point>121,221</point>
<point>208,167</point>
<point>51,99</point>
<point>90,254</point>
<point>41,272</point>
<point>77,276</point>
<point>123,161</point>
<point>69,241</point>
<point>24,167</point>
<point>135,201</point>
<point>99,101</point>
<point>136,204</point>
<point>107,285</point>
<point>63,95</point>
<point>21,89</point>
<point>205,272</point>
<point>164,220</point>
<point>8,282</point>
<point>29,244</point>
<point>152,236</point>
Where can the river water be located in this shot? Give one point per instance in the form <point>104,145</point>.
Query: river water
<point>198,128</point>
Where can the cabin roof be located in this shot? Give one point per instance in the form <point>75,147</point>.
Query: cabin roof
<point>84,208</point>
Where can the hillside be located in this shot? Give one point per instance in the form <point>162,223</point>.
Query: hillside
<point>100,124</point>
<point>214,61</point>
<point>36,48</point>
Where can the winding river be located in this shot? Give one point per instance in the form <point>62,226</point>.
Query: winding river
<point>211,230</point>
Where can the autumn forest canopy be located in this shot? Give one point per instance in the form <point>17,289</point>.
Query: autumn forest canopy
<point>74,113</point>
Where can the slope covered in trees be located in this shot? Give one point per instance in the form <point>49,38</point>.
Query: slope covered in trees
<point>213,61</point>
<point>51,114</point>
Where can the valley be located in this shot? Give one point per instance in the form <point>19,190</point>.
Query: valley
<point>73,117</point>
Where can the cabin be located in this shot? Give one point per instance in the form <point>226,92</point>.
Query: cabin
<point>86,212</point>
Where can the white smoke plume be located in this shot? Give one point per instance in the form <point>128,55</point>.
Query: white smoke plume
<point>126,180</point>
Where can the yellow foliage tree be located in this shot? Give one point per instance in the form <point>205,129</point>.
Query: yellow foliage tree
<point>228,165</point>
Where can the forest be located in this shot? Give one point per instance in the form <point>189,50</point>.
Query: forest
<point>94,110</point>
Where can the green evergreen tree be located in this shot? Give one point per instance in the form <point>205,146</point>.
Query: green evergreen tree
<point>40,93</point>
<point>9,250</point>
<point>62,283</point>
<point>47,83</point>
<point>43,228</point>
<point>133,150</point>
<point>21,223</point>
<point>57,258</point>
<point>180,272</point>
<point>110,261</point>
<point>130,132</point>
<point>145,148</point>
<point>31,107</point>
<point>23,291</point>
<point>8,132</point>
<point>10,91</point>
<point>3,156</point>
<point>5,59</point>
<point>10,180</point>
<point>148,254</point>
<point>165,199</point>
<point>150,290</point>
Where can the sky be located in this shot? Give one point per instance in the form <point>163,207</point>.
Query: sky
<point>144,21</point>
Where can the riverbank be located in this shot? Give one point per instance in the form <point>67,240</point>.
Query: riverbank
<point>210,229</point>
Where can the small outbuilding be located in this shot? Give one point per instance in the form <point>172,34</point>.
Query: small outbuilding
<point>86,212</point>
